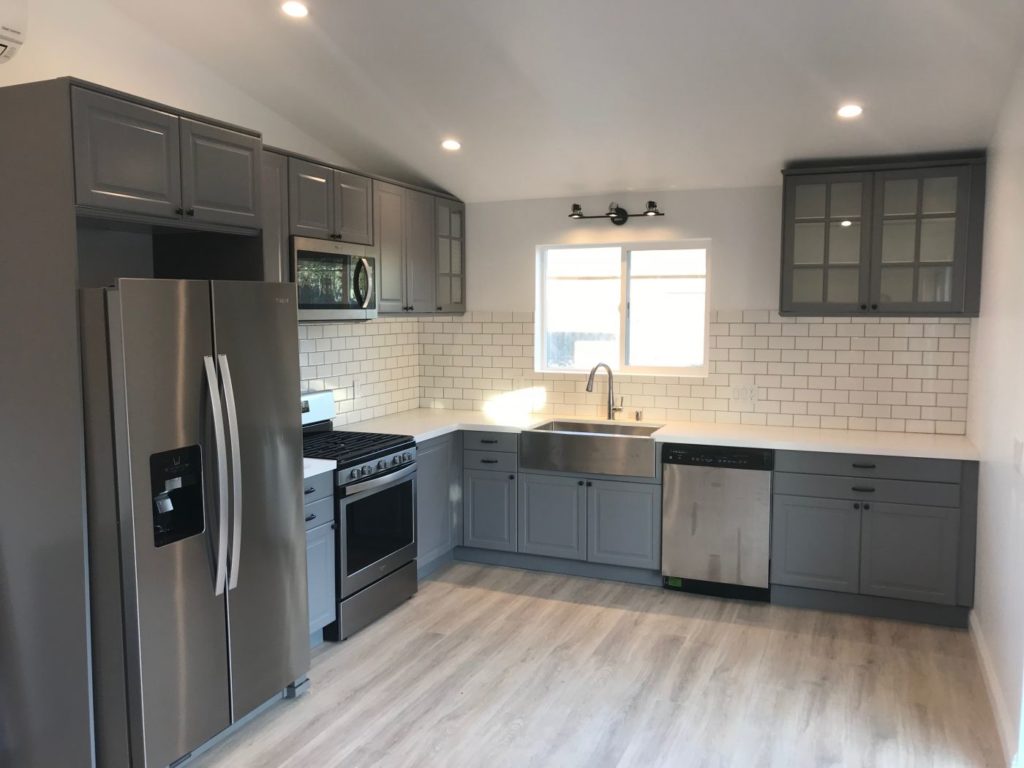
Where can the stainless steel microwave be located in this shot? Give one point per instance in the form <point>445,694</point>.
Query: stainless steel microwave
<point>335,281</point>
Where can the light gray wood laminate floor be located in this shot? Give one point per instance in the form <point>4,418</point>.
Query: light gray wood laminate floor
<point>491,667</point>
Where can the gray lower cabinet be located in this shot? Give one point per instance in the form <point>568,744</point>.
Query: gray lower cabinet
<point>320,576</point>
<point>909,552</point>
<point>816,543</point>
<point>553,516</point>
<point>127,156</point>
<point>489,509</point>
<point>624,523</point>
<point>438,477</point>
<point>220,175</point>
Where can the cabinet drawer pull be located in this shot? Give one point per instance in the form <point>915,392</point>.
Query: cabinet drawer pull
<point>862,489</point>
<point>488,461</point>
<point>310,517</point>
<point>511,477</point>
<point>863,466</point>
<point>311,489</point>
<point>489,442</point>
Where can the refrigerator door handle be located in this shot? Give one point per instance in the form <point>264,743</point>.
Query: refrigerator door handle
<point>236,470</point>
<point>220,576</point>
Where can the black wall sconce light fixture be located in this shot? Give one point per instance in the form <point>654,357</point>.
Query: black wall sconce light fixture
<point>616,214</point>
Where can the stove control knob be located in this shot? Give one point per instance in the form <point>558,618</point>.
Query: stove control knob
<point>406,457</point>
<point>365,471</point>
<point>395,460</point>
<point>354,474</point>
<point>381,465</point>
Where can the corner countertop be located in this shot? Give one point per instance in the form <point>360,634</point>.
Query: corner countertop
<point>427,423</point>
<point>314,467</point>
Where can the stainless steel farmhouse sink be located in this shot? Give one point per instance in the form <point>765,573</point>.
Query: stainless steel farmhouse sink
<point>587,447</point>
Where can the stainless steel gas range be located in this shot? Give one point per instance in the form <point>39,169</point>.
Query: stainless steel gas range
<point>375,515</point>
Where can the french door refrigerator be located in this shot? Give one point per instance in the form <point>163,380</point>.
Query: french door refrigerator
<point>196,537</point>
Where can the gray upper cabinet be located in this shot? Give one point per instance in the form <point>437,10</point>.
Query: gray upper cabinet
<point>451,255</point>
<point>310,198</point>
<point>890,237</point>
<point>826,243</point>
<point>624,524</point>
<point>489,510</point>
<point>553,516</point>
<point>420,265</point>
<point>389,235</point>
<point>127,156</point>
<point>220,175</point>
<point>816,543</point>
<point>909,552</point>
<point>276,255</point>
<point>353,208</point>
<point>328,203</point>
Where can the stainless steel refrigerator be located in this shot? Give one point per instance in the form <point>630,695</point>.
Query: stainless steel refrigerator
<point>196,539</point>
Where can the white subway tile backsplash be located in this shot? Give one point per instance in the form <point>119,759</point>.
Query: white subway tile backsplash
<point>884,374</point>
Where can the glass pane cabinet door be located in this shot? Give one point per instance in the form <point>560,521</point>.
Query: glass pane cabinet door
<point>451,274</point>
<point>825,242</point>
<point>920,238</point>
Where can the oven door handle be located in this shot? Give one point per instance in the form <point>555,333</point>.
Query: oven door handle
<point>380,482</point>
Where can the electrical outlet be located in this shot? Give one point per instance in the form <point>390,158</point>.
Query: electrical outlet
<point>746,392</point>
<point>1018,455</point>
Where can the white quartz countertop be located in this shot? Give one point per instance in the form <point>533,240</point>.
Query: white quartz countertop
<point>314,467</point>
<point>426,423</point>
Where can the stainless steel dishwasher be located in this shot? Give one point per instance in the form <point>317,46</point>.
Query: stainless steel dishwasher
<point>716,519</point>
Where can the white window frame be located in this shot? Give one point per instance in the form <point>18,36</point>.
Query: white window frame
<point>626,249</point>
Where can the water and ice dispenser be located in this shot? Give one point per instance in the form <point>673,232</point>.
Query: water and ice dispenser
<point>177,484</point>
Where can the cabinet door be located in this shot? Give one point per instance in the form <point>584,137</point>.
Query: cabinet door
<point>127,157</point>
<point>826,243</point>
<point>320,576</point>
<point>553,516</point>
<point>353,208</point>
<point>389,235</point>
<point>220,175</point>
<point>420,263</point>
<point>277,261</point>
<point>489,510</point>
<point>920,247</point>
<point>434,498</point>
<point>310,199</point>
<point>815,543</point>
<point>624,524</point>
<point>451,255</point>
<point>909,552</point>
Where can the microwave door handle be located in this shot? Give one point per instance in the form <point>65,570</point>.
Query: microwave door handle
<point>364,301</point>
<point>221,456</point>
<point>236,470</point>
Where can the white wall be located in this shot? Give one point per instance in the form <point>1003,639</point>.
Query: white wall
<point>744,226</point>
<point>996,420</point>
<point>94,41</point>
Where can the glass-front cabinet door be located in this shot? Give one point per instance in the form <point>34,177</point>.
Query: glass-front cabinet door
<point>451,261</point>
<point>920,240</point>
<point>826,243</point>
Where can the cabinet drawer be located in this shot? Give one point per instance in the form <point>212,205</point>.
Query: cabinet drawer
<point>490,441</point>
<point>503,462</point>
<point>318,513</point>
<point>860,465</point>
<point>868,489</point>
<point>317,487</point>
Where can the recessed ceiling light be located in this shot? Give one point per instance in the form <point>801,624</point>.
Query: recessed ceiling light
<point>295,9</point>
<point>849,111</point>
<point>451,145</point>
<point>845,223</point>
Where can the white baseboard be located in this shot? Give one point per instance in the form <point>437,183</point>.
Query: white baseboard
<point>1007,731</point>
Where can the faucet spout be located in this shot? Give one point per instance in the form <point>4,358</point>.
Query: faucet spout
<point>612,408</point>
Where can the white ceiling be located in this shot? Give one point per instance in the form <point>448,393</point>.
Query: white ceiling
<point>558,98</point>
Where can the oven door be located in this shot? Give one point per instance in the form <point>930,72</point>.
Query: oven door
<point>332,283</point>
<point>376,529</point>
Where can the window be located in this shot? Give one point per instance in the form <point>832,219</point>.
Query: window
<point>640,309</point>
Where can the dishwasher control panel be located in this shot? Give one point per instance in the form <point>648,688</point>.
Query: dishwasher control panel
<point>718,456</point>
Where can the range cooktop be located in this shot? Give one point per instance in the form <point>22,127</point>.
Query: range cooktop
<point>348,448</point>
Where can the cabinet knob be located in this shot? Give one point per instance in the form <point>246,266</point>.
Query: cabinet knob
<point>439,309</point>
<point>589,484</point>
<point>874,306</point>
<point>179,211</point>
<point>863,306</point>
<point>856,505</point>
<point>579,482</point>
<point>511,477</point>
<point>190,212</point>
